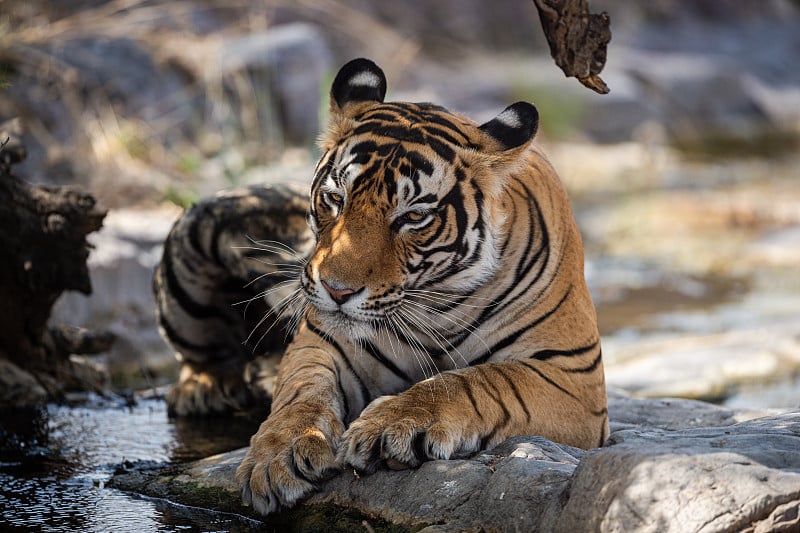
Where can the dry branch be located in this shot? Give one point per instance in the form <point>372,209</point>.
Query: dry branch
<point>43,252</point>
<point>577,39</point>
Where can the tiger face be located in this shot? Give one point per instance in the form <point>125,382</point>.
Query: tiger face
<point>404,199</point>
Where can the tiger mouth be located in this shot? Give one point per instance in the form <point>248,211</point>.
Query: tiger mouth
<point>340,323</point>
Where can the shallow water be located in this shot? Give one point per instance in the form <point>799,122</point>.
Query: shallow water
<point>55,463</point>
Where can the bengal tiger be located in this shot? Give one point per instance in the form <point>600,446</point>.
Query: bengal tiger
<point>440,299</point>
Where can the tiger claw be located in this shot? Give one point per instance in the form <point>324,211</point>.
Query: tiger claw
<point>279,471</point>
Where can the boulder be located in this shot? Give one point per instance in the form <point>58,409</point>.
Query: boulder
<point>669,465</point>
<point>742,477</point>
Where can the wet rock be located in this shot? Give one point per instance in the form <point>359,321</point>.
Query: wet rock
<point>670,465</point>
<point>19,388</point>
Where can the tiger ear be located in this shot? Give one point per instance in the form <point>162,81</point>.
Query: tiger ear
<point>515,126</point>
<point>360,80</point>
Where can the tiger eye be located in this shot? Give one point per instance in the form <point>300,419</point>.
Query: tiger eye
<point>415,216</point>
<point>335,197</point>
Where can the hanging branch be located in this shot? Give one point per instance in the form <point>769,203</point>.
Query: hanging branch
<point>577,39</point>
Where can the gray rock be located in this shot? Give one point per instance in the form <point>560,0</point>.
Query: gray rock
<point>670,465</point>
<point>704,366</point>
<point>667,413</point>
<point>271,80</point>
<point>740,477</point>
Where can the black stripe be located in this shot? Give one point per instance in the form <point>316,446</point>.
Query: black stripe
<point>586,369</point>
<point>495,395</point>
<point>174,338</point>
<point>500,370</point>
<point>544,355</point>
<point>187,303</point>
<point>542,226</point>
<point>467,387</point>
<point>342,394</point>
<point>603,435</point>
<point>362,387</point>
<point>511,339</point>
<point>548,380</point>
<point>382,359</point>
<point>523,268</point>
<point>194,228</point>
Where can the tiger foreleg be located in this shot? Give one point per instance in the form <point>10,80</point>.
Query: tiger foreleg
<point>295,447</point>
<point>464,411</point>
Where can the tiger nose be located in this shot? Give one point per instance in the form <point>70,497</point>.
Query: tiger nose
<point>339,292</point>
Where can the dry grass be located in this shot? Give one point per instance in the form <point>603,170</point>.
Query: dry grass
<point>183,140</point>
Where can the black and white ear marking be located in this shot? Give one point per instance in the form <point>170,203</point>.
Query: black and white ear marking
<point>516,125</point>
<point>358,81</point>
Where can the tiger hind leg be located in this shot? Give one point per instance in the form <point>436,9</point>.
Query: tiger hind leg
<point>226,291</point>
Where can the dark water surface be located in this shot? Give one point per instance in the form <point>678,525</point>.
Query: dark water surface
<point>55,462</point>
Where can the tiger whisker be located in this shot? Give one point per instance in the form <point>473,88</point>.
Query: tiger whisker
<point>272,312</point>
<point>276,273</point>
<point>416,322</point>
<point>434,335</point>
<point>432,382</point>
<point>425,362</point>
<point>275,245</point>
<point>457,321</point>
<point>278,286</point>
<point>292,266</point>
<point>300,305</point>
<point>450,299</point>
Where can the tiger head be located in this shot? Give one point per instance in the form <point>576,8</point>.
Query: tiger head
<point>406,198</point>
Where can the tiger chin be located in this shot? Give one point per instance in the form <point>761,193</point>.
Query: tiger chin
<point>442,303</point>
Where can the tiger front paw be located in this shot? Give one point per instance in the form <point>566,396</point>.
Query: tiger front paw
<point>399,432</point>
<point>209,390</point>
<point>283,466</point>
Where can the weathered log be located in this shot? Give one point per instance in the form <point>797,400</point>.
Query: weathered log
<point>577,39</point>
<point>43,252</point>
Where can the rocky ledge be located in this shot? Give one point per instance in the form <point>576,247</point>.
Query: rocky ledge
<point>670,465</point>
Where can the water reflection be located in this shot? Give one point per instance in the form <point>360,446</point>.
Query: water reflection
<point>55,462</point>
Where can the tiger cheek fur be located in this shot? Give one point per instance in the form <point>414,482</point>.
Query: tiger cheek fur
<point>447,305</point>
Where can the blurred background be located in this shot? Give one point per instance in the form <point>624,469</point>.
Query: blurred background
<point>684,179</point>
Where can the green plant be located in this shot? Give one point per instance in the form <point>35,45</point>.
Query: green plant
<point>182,197</point>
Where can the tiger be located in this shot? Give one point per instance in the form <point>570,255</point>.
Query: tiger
<point>219,292</point>
<point>440,304</point>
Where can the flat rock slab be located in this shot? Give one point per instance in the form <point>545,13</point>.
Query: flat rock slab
<point>670,465</point>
